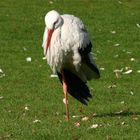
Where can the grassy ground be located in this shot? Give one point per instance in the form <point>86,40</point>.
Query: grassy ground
<point>31,106</point>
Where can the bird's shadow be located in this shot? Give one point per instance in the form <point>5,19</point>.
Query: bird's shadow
<point>118,114</point>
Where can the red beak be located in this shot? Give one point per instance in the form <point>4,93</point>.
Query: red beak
<point>50,31</point>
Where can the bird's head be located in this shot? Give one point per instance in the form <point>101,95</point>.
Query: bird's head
<point>53,20</point>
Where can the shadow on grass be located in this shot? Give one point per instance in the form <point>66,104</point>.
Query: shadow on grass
<point>122,113</point>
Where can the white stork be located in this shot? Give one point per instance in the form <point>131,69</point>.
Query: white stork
<point>67,49</point>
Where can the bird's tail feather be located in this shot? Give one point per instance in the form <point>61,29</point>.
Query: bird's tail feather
<point>76,87</point>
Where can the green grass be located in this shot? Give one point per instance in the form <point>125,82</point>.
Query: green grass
<point>29,83</point>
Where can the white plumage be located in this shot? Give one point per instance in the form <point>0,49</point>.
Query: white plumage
<point>67,48</point>
<point>67,39</point>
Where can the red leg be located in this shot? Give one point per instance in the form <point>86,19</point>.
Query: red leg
<point>65,95</point>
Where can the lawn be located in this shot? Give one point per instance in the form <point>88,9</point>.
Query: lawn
<point>31,106</point>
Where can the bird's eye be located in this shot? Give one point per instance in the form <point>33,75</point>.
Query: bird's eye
<point>55,22</point>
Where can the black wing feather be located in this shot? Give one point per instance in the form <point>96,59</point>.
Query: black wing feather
<point>76,87</point>
<point>85,59</point>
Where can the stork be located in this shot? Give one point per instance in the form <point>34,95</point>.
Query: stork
<point>67,48</point>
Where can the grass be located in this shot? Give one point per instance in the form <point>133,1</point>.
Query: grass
<point>28,84</point>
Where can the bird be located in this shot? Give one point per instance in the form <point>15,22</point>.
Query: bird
<point>68,50</point>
